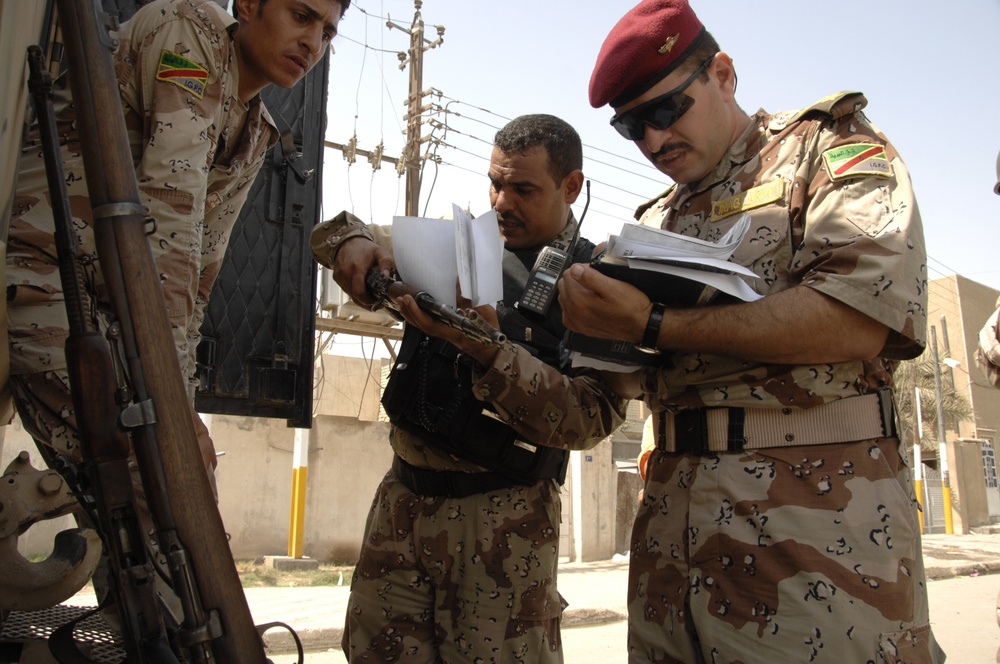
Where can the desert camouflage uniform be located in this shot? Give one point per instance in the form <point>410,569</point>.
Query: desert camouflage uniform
<point>790,553</point>
<point>471,579</point>
<point>196,148</point>
<point>988,353</point>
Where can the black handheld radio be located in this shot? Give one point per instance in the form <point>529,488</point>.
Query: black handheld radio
<point>541,287</point>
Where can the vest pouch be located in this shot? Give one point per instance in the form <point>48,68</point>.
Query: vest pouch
<point>429,394</point>
<point>428,385</point>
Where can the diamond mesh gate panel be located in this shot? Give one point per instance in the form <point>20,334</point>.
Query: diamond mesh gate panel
<point>256,356</point>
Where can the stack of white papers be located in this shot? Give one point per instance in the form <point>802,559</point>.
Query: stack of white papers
<point>648,248</point>
<point>434,255</point>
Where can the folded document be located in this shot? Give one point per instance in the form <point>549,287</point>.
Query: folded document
<point>672,269</point>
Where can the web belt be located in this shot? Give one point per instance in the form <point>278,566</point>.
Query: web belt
<point>705,430</point>
<point>450,483</point>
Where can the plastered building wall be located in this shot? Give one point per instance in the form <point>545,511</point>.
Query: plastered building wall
<point>348,454</point>
<point>957,308</point>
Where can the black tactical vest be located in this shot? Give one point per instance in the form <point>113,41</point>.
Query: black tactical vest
<point>429,392</point>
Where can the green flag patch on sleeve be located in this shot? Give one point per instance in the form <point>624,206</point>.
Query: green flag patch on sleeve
<point>857,159</point>
<point>177,69</point>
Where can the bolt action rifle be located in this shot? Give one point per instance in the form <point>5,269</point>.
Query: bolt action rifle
<point>149,406</point>
<point>387,290</point>
<point>103,482</point>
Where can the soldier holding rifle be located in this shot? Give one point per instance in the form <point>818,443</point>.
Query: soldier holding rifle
<point>458,563</point>
<point>189,79</point>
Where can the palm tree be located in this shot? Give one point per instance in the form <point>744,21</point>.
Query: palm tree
<point>955,406</point>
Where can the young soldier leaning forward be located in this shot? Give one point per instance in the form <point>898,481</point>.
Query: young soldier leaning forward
<point>190,77</point>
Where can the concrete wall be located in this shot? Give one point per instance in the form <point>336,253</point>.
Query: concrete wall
<point>961,306</point>
<point>347,460</point>
<point>598,486</point>
<point>348,454</point>
<point>629,486</point>
<point>968,490</point>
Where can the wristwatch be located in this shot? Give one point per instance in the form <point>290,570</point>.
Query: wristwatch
<point>652,334</point>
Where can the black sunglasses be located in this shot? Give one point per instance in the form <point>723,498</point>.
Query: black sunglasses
<point>659,112</point>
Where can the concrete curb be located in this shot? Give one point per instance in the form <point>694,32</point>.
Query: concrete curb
<point>594,591</point>
<point>280,641</point>
<point>586,617</point>
<point>937,573</point>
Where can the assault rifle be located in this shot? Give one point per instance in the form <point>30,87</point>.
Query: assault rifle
<point>387,290</point>
<point>149,404</point>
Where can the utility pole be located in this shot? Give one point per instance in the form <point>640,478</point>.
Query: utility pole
<point>918,434</point>
<point>409,162</point>
<point>410,159</point>
<point>952,421</point>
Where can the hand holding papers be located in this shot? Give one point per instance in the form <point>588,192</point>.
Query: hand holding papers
<point>672,269</point>
<point>435,254</point>
<point>690,263</point>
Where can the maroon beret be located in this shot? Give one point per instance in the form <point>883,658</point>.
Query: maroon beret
<point>644,46</point>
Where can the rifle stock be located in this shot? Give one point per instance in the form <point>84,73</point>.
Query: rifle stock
<point>189,527</point>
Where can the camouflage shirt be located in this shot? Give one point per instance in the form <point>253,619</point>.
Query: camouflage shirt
<point>988,352</point>
<point>832,209</point>
<point>196,149</point>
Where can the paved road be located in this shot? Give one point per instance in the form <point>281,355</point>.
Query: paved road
<point>963,613</point>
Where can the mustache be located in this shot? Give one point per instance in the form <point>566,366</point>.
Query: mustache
<point>509,219</point>
<point>667,148</point>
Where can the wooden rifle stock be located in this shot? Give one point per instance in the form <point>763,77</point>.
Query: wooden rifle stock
<point>189,527</point>
<point>106,491</point>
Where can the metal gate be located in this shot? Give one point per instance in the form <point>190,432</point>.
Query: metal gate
<point>256,357</point>
<point>990,477</point>
<point>933,501</point>
<point>258,338</point>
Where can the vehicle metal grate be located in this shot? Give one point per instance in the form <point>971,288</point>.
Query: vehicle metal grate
<point>92,634</point>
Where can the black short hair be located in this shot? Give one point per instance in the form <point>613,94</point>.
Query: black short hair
<point>344,4</point>
<point>559,139</point>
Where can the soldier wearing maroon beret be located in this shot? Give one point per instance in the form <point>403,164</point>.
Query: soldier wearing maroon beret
<point>779,520</point>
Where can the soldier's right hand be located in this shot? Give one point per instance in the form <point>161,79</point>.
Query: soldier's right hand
<point>354,259</point>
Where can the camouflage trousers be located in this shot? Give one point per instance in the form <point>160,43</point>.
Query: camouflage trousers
<point>457,579</point>
<point>37,329</point>
<point>798,554</point>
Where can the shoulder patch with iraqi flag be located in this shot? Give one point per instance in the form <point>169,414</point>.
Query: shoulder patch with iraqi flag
<point>848,161</point>
<point>177,69</point>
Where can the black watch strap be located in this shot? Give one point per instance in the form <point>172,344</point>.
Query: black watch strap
<point>652,334</point>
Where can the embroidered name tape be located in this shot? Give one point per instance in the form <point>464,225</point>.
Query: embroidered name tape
<point>748,200</point>
<point>177,69</point>
<point>850,161</point>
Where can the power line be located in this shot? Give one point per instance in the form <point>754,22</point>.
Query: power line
<point>456,122</point>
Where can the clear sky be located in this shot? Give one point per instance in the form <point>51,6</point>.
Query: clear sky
<point>929,71</point>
